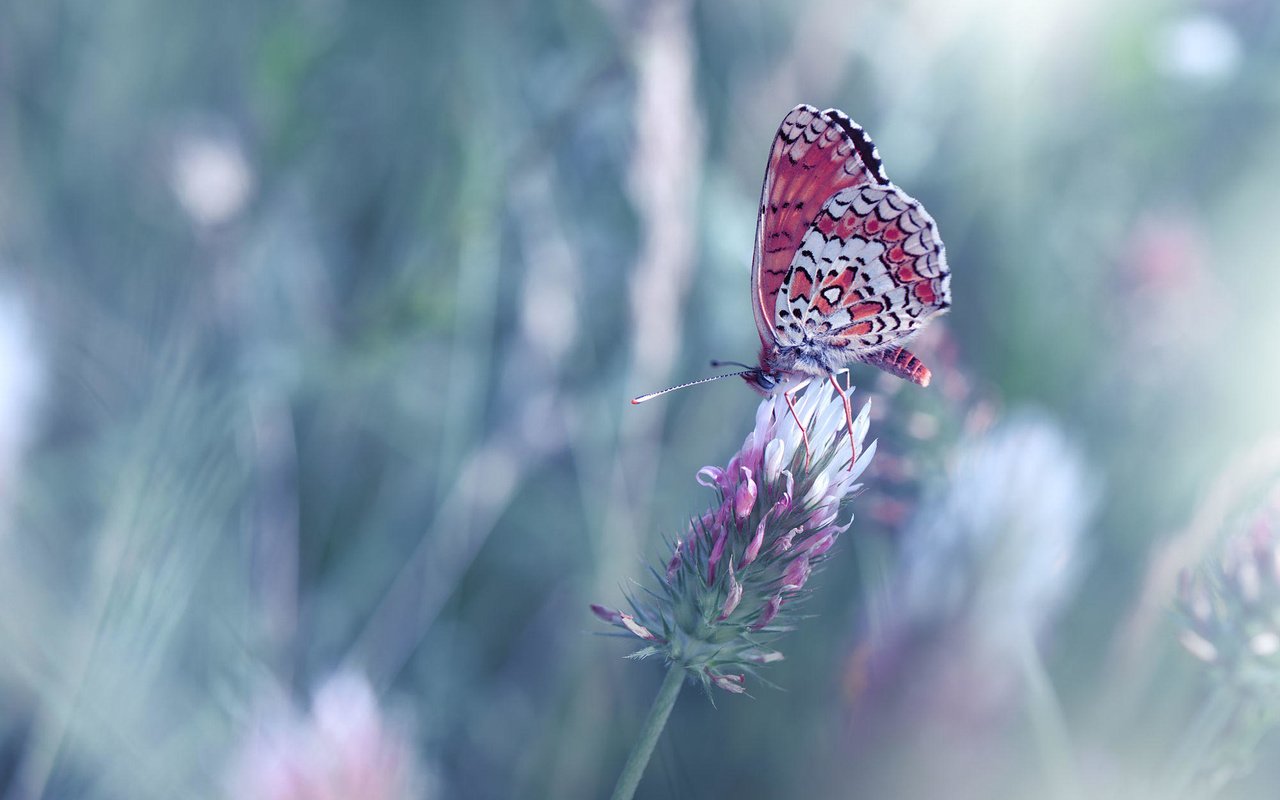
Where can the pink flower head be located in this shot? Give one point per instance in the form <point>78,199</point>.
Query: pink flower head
<point>346,746</point>
<point>771,523</point>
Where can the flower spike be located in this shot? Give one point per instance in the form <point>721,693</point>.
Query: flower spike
<point>724,592</point>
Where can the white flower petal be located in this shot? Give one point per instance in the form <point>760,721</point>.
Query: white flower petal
<point>817,489</point>
<point>862,423</point>
<point>823,430</point>
<point>864,461</point>
<point>773,453</point>
<point>765,416</point>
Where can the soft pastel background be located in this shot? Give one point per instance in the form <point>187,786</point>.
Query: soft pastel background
<point>318,322</point>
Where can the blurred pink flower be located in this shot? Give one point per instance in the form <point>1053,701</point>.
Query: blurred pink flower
<point>1167,264</point>
<point>346,748</point>
<point>210,176</point>
<point>1167,254</point>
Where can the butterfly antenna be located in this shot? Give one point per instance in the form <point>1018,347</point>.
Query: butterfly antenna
<point>635,401</point>
<point>718,363</point>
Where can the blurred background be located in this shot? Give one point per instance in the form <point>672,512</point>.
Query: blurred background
<point>319,321</point>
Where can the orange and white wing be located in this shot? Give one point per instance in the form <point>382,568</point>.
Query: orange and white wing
<point>815,154</point>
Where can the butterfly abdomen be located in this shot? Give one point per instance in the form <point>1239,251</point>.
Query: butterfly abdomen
<point>901,362</point>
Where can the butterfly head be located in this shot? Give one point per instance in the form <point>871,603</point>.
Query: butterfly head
<point>763,381</point>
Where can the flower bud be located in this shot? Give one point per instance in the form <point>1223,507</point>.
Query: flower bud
<point>730,682</point>
<point>815,546</point>
<point>750,453</point>
<point>735,595</point>
<point>607,614</point>
<point>745,499</point>
<point>753,547</point>
<point>702,524</point>
<point>770,611</point>
<point>673,566</point>
<point>1264,644</point>
<point>717,551</point>
<point>797,574</point>
<point>1198,646</point>
<point>713,478</point>
<point>638,629</point>
<point>784,542</point>
<point>1248,581</point>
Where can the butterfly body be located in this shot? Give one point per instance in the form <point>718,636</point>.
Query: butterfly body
<point>847,266</point>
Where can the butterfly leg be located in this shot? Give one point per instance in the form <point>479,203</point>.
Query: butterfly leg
<point>789,396</point>
<point>848,416</point>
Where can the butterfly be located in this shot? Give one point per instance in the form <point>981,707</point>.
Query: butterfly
<point>847,266</point>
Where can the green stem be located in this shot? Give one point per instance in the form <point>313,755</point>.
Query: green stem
<point>653,725</point>
<point>1048,722</point>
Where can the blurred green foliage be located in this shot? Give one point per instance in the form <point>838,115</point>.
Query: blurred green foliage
<point>320,319</point>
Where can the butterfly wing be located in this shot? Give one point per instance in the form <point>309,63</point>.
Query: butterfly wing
<point>815,154</point>
<point>869,272</point>
<point>866,272</point>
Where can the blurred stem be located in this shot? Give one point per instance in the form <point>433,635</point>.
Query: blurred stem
<point>1048,723</point>
<point>1201,739</point>
<point>653,725</point>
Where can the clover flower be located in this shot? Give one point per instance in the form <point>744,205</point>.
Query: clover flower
<point>1001,543</point>
<point>1232,608</point>
<point>986,564</point>
<point>725,593</point>
<point>1232,612</point>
